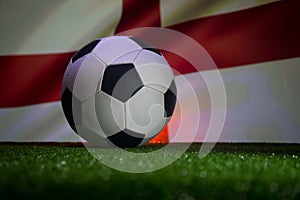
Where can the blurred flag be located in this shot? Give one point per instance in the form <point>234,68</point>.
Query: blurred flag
<point>254,43</point>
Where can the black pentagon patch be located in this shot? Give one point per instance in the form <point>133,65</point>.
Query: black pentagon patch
<point>121,81</point>
<point>170,99</point>
<point>67,102</point>
<point>125,138</point>
<point>145,45</point>
<point>85,50</point>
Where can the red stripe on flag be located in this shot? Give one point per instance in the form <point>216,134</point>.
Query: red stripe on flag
<point>31,79</point>
<point>264,33</point>
<point>137,13</point>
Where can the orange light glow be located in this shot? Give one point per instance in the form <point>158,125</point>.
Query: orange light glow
<point>162,137</point>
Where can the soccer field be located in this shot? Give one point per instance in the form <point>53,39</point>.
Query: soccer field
<point>230,171</point>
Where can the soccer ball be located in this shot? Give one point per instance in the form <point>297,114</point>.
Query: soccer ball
<point>118,91</point>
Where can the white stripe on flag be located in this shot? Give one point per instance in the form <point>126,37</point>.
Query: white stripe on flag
<point>55,26</point>
<point>178,11</point>
<point>263,103</point>
<point>41,122</point>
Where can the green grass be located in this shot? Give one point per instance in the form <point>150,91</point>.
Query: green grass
<point>230,171</point>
